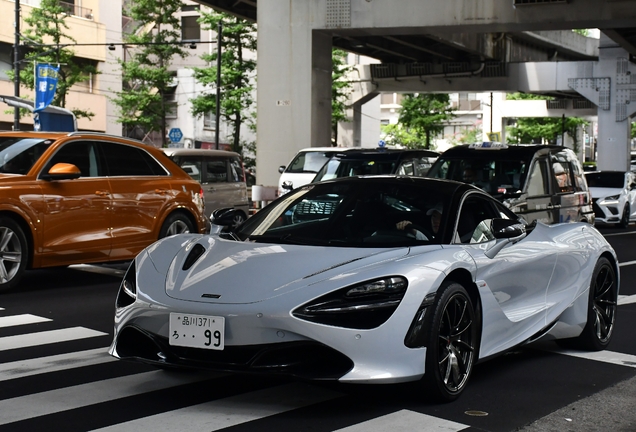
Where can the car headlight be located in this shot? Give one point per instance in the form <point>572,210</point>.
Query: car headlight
<point>610,200</point>
<point>362,306</point>
<point>128,287</point>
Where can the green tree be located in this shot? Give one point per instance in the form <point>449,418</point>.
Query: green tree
<point>47,42</point>
<point>540,129</point>
<point>398,135</point>
<point>424,115</point>
<point>341,88</point>
<point>238,65</point>
<point>146,78</point>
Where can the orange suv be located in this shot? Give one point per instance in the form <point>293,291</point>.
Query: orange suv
<point>70,198</point>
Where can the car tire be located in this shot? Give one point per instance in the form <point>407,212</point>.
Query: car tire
<point>176,223</point>
<point>602,307</point>
<point>14,252</point>
<point>238,219</point>
<point>624,223</point>
<point>452,343</point>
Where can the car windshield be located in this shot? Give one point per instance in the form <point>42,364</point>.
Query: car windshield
<point>493,175</point>
<point>337,167</point>
<point>308,162</point>
<point>352,213</point>
<point>614,180</point>
<point>18,155</point>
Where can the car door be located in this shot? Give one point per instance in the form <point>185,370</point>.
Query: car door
<point>141,190</point>
<point>77,218</point>
<point>517,276</point>
<point>220,183</point>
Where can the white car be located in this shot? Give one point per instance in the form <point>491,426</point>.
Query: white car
<point>613,196</point>
<point>380,279</point>
<point>303,167</point>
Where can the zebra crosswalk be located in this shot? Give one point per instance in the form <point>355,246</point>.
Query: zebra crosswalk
<point>217,405</point>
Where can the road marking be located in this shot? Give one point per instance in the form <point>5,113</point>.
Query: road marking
<point>626,263</point>
<point>624,299</point>
<point>55,401</point>
<point>231,411</point>
<point>47,337</point>
<point>15,320</point>
<point>602,356</point>
<point>35,366</point>
<point>406,421</point>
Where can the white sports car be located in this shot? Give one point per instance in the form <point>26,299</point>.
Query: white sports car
<point>613,196</point>
<point>367,280</point>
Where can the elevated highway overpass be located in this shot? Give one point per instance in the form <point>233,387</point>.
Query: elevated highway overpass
<point>433,46</point>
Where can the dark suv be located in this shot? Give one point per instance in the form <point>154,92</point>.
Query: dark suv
<point>539,182</point>
<point>377,161</point>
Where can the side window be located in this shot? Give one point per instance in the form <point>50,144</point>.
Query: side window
<point>127,161</point>
<point>215,170</point>
<point>236,170</point>
<point>82,154</point>
<point>538,179</point>
<point>407,168</point>
<point>474,220</point>
<point>191,165</point>
<point>562,175</point>
<point>579,179</point>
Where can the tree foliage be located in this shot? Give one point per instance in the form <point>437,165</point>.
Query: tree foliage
<point>237,75</point>
<point>340,90</point>
<point>146,77</point>
<point>542,129</point>
<point>422,116</point>
<point>47,42</point>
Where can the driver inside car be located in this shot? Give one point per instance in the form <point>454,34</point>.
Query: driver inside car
<point>436,217</point>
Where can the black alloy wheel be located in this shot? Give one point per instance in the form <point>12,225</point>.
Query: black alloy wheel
<point>451,351</point>
<point>602,307</point>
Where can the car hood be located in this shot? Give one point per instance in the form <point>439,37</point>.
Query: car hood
<point>600,192</point>
<point>232,272</point>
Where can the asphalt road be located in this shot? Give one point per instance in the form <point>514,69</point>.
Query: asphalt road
<point>55,375</point>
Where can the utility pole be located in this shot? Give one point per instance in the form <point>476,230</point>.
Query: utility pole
<point>218,84</point>
<point>16,66</point>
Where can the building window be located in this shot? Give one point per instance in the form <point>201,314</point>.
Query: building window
<point>190,28</point>
<point>209,120</point>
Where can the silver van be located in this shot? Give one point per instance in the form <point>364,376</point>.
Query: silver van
<point>221,175</point>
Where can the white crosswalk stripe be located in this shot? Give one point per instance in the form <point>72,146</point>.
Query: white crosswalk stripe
<point>47,337</point>
<point>406,421</point>
<point>624,299</point>
<point>29,367</point>
<point>15,320</point>
<point>54,401</point>
<point>231,411</point>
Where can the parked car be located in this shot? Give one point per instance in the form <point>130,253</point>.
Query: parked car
<point>613,196</point>
<point>377,161</point>
<point>303,167</point>
<point>363,298</point>
<point>538,182</point>
<point>69,198</point>
<point>220,173</point>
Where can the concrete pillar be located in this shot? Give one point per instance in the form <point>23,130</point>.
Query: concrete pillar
<point>294,85</point>
<point>614,117</point>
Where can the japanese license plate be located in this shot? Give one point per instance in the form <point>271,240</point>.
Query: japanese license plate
<point>197,331</point>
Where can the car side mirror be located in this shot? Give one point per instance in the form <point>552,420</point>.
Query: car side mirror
<point>281,169</point>
<point>507,229</point>
<point>62,171</point>
<point>224,216</point>
<point>287,185</point>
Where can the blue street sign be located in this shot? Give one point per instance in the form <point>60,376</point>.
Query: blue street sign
<point>175,135</point>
